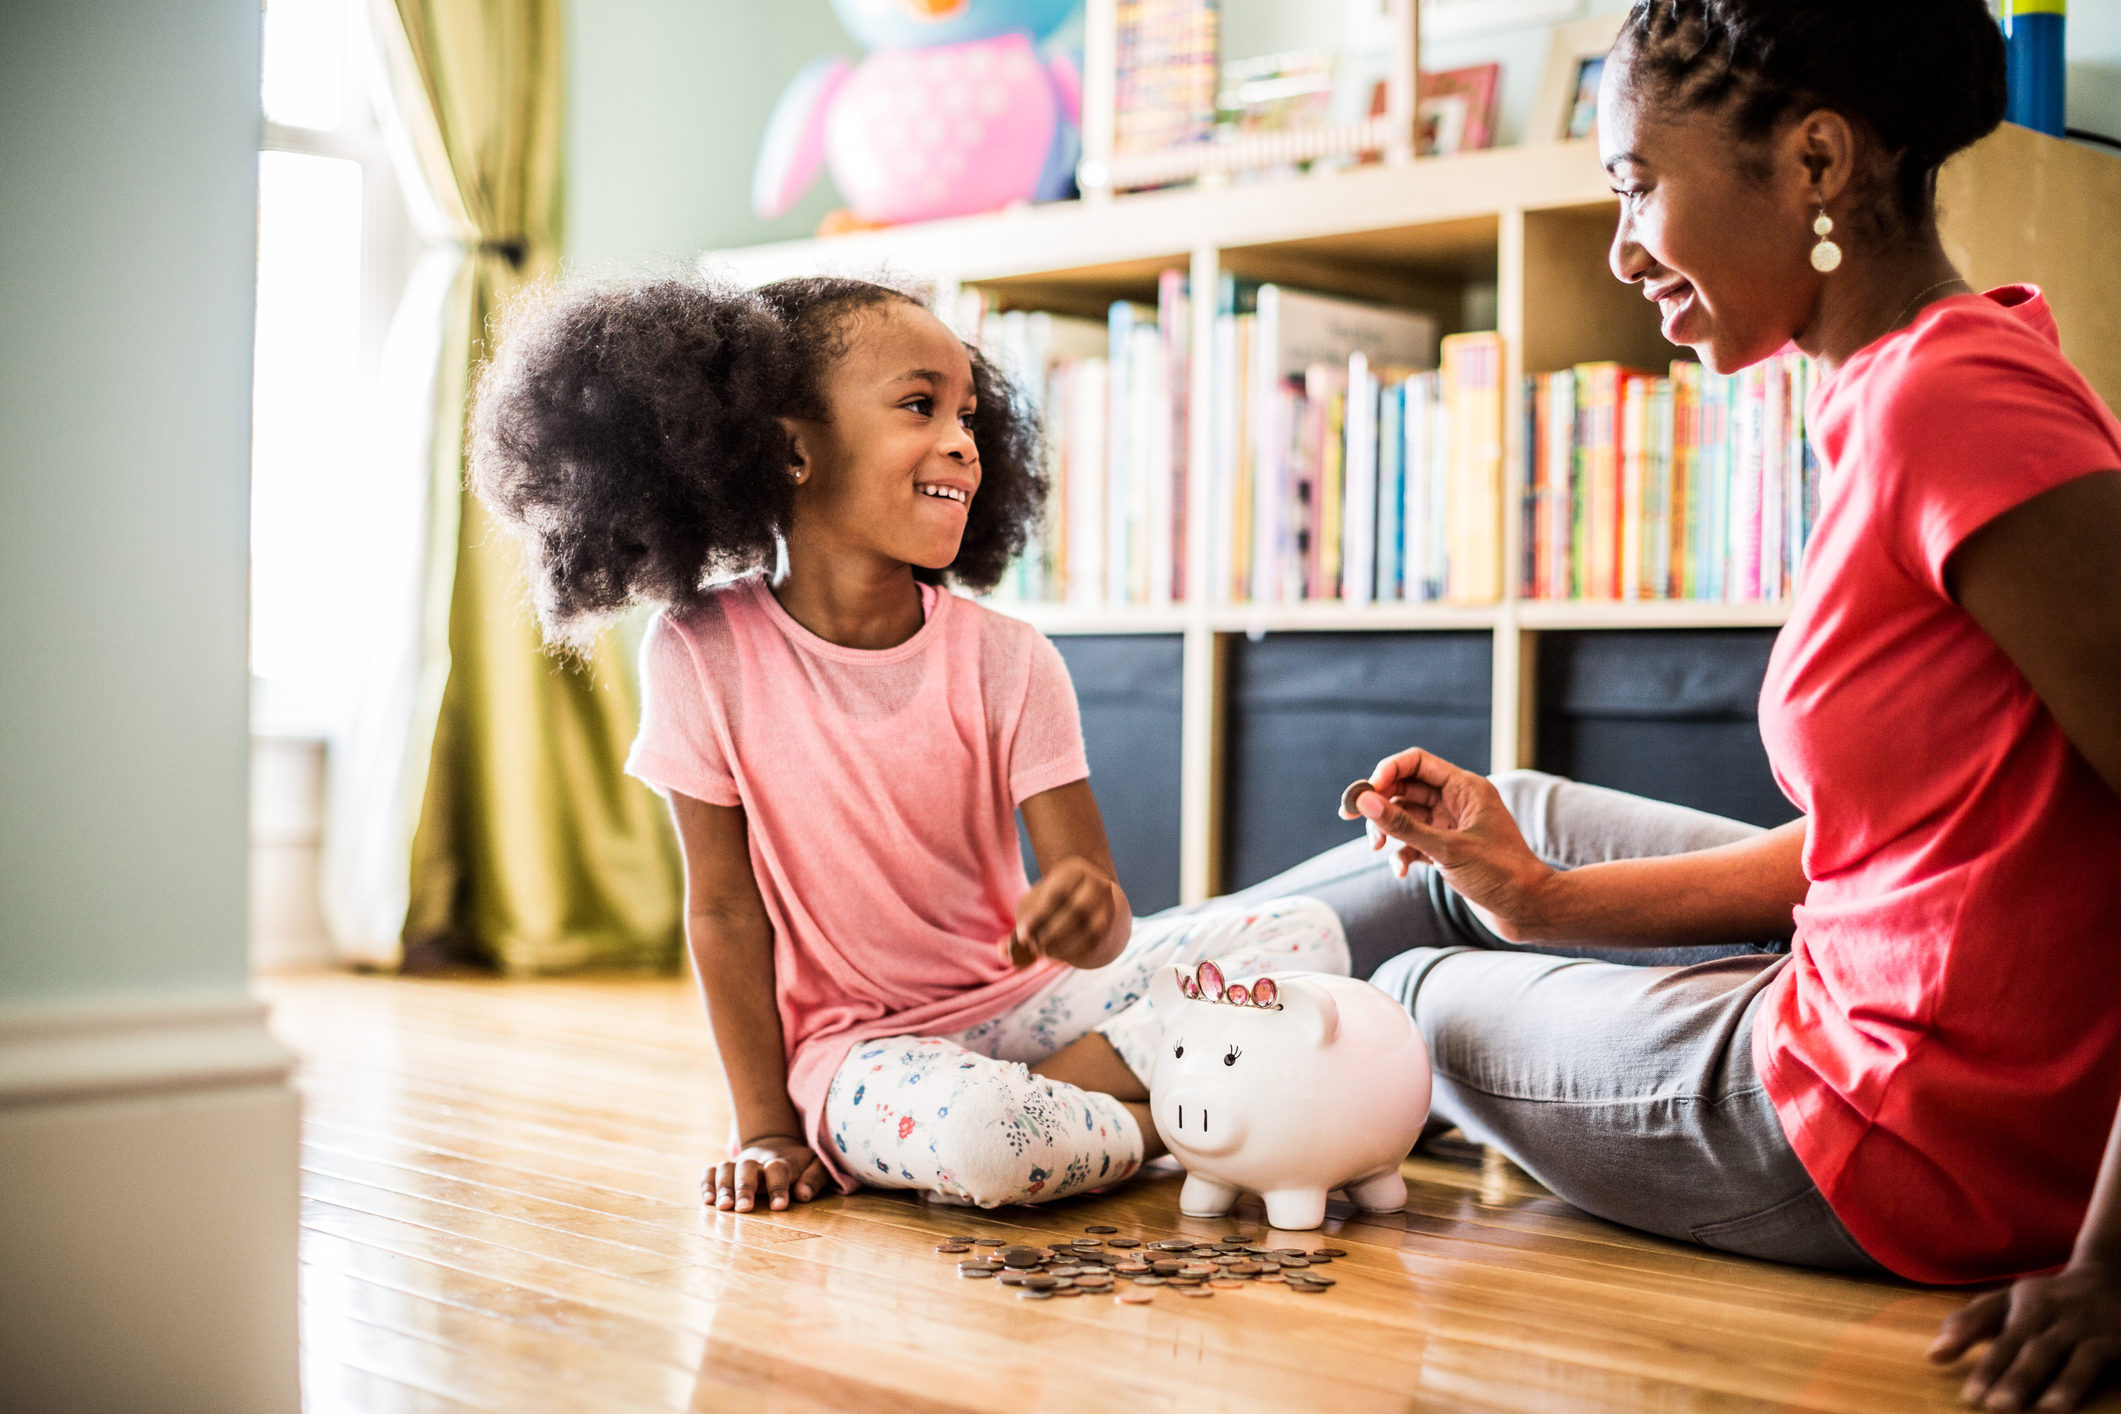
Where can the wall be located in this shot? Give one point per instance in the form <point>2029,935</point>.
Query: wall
<point>147,1136</point>
<point>666,102</point>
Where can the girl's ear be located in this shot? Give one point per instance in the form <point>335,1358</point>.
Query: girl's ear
<point>800,471</point>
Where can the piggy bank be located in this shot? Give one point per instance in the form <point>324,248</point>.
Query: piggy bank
<point>1286,1086</point>
<point>956,110</point>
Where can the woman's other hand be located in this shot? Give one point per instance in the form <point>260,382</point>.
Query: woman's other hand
<point>1068,914</point>
<point>2049,1337</point>
<point>778,1167</point>
<point>1440,814</point>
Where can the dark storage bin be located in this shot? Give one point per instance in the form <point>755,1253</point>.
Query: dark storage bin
<point>1666,714</point>
<point>1128,686</point>
<point>1310,712</point>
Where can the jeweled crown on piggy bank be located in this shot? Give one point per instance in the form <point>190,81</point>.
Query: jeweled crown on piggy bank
<point>1288,1086</point>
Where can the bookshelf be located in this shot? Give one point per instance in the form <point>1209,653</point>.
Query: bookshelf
<point>1521,232</point>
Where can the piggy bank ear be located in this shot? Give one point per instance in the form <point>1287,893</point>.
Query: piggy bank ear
<point>1164,993</point>
<point>1312,1009</point>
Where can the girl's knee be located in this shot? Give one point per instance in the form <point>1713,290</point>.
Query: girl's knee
<point>1313,935</point>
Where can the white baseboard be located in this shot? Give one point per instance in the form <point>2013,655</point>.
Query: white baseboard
<point>149,1204</point>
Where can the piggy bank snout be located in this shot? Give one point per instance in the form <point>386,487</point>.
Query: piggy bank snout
<point>1201,1121</point>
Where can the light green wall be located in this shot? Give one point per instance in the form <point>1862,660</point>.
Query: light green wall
<point>128,174</point>
<point>666,102</point>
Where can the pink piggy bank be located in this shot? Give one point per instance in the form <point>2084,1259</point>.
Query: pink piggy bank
<point>1287,1086</point>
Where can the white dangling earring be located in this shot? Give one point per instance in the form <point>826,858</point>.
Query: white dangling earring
<point>1826,256</point>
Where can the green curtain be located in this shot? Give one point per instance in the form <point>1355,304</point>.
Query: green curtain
<point>533,850</point>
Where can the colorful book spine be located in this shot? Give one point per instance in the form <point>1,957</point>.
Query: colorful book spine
<point>1704,486</point>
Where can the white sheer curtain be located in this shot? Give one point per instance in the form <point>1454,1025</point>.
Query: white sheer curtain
<point>377,765</point>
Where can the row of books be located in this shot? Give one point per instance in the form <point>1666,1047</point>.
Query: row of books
<point>1352,455</point>
<point>1168,52</point>
<point>1690,485</point>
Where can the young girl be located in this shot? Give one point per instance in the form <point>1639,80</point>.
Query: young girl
<point>844,745</point>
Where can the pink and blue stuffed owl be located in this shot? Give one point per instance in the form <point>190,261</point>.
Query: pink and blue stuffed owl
<point>956,110</point>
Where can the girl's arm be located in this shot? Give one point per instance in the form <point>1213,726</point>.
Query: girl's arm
<point>732,952</point>
<point>1076,911</point>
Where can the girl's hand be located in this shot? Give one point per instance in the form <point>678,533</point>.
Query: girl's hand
<point>1443,815</point>
<point>2046,1333</point>
<point>773,1166</point>
<point>1068,914</point>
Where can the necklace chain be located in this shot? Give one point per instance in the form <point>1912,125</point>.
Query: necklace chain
<point>1907,308</point>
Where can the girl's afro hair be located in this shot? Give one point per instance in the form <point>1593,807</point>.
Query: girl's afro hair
<point>630,434</point>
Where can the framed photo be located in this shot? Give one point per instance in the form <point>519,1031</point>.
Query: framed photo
<point>1454,111</point>
<point>1568,99</point>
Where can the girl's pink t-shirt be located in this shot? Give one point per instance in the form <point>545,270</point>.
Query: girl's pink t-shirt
<point>1944,1049</point>
<point>879,791</point>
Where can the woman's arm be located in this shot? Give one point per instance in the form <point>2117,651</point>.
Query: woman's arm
<point>1454,819</point>
<point>732,952</point>
<point>2040,580</point>
<point>1076,911</point>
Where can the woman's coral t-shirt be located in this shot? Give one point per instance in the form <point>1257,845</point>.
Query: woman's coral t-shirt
<point>879,791</point>
<point>1944,1049</point>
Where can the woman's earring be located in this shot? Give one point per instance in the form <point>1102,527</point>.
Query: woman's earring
<point>1826,256</point>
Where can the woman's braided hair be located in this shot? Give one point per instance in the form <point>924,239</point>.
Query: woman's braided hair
<point>630,435</point>
<point>1923,78</point>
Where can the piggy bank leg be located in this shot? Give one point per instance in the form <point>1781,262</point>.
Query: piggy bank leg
<point>1203,1197</point>
<point>1380,1193</point>
<point>1295,1209</point>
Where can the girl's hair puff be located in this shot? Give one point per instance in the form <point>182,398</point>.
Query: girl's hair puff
<point>630,435</point>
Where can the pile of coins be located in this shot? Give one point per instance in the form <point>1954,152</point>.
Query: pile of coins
<point>1130,1270</point>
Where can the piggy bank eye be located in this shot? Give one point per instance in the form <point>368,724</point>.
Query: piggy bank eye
<point>1178,1051</point>
<point>1231,1058</point>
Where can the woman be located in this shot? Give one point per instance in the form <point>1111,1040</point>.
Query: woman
<point>1923,1083</point>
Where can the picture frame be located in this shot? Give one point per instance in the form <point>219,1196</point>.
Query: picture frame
<point>1573,59</point>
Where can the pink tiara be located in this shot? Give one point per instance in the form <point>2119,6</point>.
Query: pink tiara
<point>1206,985</point>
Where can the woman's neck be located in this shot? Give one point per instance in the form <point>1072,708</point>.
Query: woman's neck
<point>1872,295</point>
<point>851,600</point>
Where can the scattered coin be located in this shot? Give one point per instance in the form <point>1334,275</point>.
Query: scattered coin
<point>1225,1283</point>
<point>1122,1242</point>
<point>1194,1291</point>
<point>1132,1269</point>
<point>1149,1281</point>
<point>1317,1261</point>
<point>1271,1276</point>
<point>1313,1279</point>
<point>1062,1271</point>
<point>954,1247</point>
<point>1032,1293</point>
<point>1021,1256</point>
<point>1097,1283</point>
<point>957,1239</point>
<point>989,1276</point>
<point>1068,1291</point>
<point>1309,1288</point>
<point>1331,1252</point>
<point>1170,1246</point>
<point>1041,1282</point>
<point>1298,1262</point>
<point>1100,1228</point>
<point>1288,1251</point>
<point>1244,1269</point>
<point>1012,1278</point>
<point>986,1242</point>
<point>1165,1269</point>
<point>1133,1296</point>
<point>1256,1251</point>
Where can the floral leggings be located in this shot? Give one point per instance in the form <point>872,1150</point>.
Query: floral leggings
<point>963,1117</point>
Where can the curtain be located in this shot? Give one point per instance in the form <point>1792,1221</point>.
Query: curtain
<point>530,848</point>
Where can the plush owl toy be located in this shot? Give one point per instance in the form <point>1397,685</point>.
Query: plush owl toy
<point>956,110</point>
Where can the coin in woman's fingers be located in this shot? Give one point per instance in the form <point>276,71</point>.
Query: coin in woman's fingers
<point>1355,791</point>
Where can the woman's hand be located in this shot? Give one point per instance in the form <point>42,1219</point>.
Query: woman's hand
<point>1443,815</point>
<point>2045,1333</point>
<point>1068,914</point>
<point>776,1166</point>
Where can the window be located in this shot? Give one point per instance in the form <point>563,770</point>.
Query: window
<point>334,248</point>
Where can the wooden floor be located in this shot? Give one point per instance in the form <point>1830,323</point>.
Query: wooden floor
<point>501,1213</point>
